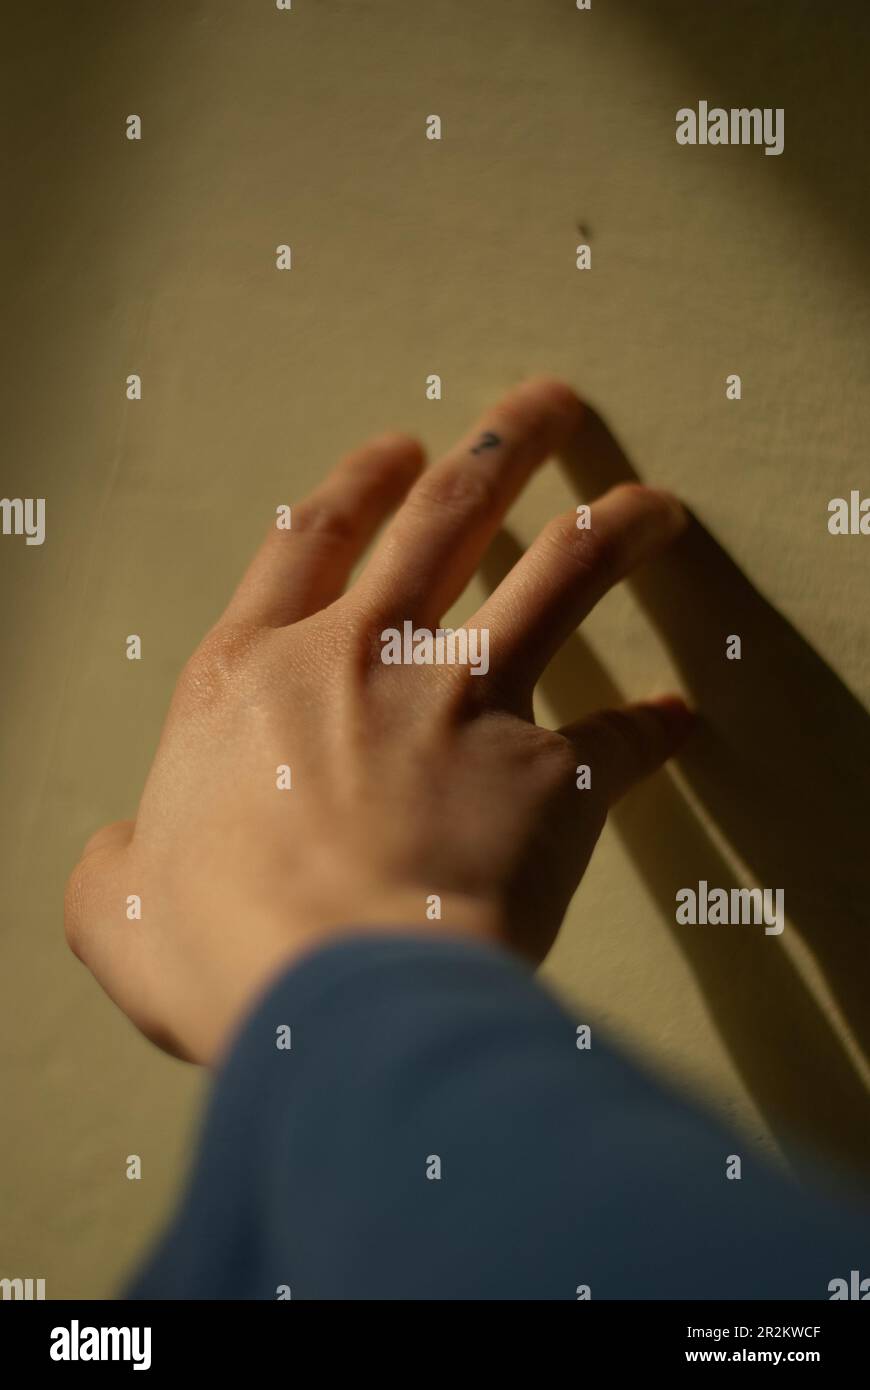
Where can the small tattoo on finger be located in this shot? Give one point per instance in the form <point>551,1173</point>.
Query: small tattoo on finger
<point>488,440</point>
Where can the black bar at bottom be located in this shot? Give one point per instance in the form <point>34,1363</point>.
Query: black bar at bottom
<point>157,1339</point>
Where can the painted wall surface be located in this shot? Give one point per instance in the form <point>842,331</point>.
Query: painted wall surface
<point>455,257</point>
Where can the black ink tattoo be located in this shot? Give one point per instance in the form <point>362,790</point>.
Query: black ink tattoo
<point>486,441</point>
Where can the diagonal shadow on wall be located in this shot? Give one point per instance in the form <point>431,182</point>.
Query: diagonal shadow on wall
<point>781,763</point>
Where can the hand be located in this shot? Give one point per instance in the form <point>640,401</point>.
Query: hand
<point>406,781</point>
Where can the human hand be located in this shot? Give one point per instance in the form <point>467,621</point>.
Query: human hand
<point>406,781</point>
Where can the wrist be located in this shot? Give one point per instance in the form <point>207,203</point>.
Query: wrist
<point>269,947</point>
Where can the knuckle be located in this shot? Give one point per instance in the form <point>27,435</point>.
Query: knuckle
<point>587,548</point>
<point>455,489</point>
<point>323,518</point>
<point>350,640</point>
<point>362,654</point>
<point>360,617</point>
<point>215,665</point>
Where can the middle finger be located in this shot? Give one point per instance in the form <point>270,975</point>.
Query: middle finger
<point>440,534</point>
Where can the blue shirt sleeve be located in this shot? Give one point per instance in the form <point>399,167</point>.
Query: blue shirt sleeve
<point>433,1131</point>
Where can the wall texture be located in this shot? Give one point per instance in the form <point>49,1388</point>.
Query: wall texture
<point>410,257</point>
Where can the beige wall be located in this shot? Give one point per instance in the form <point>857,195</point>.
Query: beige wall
<point>413,257</point>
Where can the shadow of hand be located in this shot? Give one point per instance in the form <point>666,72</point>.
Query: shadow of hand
<point>781,763</point>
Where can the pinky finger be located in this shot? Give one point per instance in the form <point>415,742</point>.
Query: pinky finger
<point>622,746</point>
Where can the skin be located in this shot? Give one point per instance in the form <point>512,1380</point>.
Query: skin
<point>407,780</point>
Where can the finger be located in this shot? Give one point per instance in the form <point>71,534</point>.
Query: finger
<point>565,572</point>
<point>620,746</point>
<point>435,542</point>
<point>302,569</point>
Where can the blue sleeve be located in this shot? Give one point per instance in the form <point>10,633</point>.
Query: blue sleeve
<point>433,1131</point>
